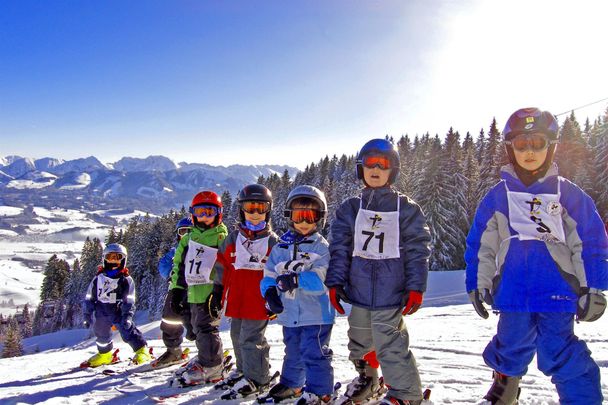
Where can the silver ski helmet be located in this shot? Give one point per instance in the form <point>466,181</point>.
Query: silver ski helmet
<point>115,248</point>
<point>379,147</point>
<point>311,193</point>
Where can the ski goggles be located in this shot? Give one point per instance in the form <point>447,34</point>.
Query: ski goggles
<point>183,231</point>
<point>251,207</point>
<point>376,161</point>
<point>200,211</point>
<point>308,215</point>
<point>536,142</point>
<point>113,257</point>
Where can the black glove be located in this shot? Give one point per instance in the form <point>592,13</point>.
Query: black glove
<point>127,322</point>
<point>273,301</point>
<point>178,300</point>
<point>287,281</point>
<point>478,297</point>
<point>87,321</point>
<point>591,305</point>
<point>214,301</point>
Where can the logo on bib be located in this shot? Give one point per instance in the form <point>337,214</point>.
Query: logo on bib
<point>375,220</point>
<point>554,208</point>
<point>200,251</point>
<point>533,206</point>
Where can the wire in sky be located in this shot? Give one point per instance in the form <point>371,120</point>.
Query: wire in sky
<point>583,106</point>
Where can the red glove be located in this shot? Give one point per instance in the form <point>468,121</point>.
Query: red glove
<point>335,295</point>
<point>414,300</point>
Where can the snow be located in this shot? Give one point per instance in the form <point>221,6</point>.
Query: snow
<point>6,211</point>
<point>81,181</point>
<point>29,184</point>
<point>447,338</point>
<point>19,283</point>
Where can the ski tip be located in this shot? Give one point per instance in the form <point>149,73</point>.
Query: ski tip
<point>426,395</point>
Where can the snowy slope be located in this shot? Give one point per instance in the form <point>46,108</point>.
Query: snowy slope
<point>447,341</point>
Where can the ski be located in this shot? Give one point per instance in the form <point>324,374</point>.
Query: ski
<point>267,399</point>
<point>178,380</point>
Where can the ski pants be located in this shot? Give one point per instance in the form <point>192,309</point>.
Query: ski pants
<point>384,331</point>
<point>103,332</point>
<point>172,325</point>
<point>559,353</point>
<point>208,341</point>
<point>307,359</point>
<point>251,348</point>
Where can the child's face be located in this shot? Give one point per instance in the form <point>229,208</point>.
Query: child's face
<point>254,217</point>
<point>304,228</point>
<point>208,221</point>
<point>376,177</point>
<point>529,159</point>
<point>307,214</point>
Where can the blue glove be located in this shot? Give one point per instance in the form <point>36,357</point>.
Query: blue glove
<point>273,301</point>
<point>287,281</point>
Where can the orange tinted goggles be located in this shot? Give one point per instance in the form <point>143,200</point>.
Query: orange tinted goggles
<point>204,211</point>
<point>308,215</point>
<point>261,207</point>
<point>114,257</point>
<point>535,142</point>
<point>377,161</point>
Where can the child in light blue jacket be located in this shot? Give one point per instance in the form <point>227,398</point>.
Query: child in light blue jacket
<point>294,290</point>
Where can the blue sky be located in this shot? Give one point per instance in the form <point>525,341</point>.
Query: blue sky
<point>256,82</point>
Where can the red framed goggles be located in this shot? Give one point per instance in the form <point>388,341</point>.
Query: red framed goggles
<point>114,257</point>
<point>251,207</point>
<point>308,215</point>
<point>381,162</point>
<point>200,211</point>
<point>535,142</point>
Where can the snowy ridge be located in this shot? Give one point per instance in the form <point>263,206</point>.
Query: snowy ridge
<point>447,342</point>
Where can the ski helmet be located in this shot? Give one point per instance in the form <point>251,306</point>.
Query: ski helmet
<point>115,248</point>
<point>306,192</point>
<point>379,147</point>
<point>207,198</point>
<point>184,223</point>
<point>254,192</point>
<point>530,120</point>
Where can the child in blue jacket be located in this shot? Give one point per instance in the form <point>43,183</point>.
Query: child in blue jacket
<point>293,288</point>
<point>379,263</point>
<point>111,298</point>
<point>537,252</point>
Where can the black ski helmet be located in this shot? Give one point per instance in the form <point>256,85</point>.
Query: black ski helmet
<point>254,192</point>
<point>530,120</point>
<point>379,147</point>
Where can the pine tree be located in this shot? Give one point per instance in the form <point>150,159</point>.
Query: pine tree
<point>571,152</point>
<point>56,275</point>
<point>26,327</point>
<point>493,158</point>
<point>12,344</point>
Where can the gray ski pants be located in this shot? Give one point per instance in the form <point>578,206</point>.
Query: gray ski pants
<point>208,341</point>
<point>251,348</point>
<point>385,332</point>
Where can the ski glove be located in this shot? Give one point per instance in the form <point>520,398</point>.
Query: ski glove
<point>287,281</point>
<point>214,302</point>
<point>178,300</point>
<point>127,323</point>
<point>87,321</point>
<point>591,305</point>
<point>273,301</point>
<point>478,297</point>
<point>413,300</point>
<point>335,295</point>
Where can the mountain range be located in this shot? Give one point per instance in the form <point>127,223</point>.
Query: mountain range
<point>154,184</point>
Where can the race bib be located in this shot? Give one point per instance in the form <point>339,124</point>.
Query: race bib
<point>199,263</point>
<point>250,254</point>
<point>106,289</point>
<point>377,234</point>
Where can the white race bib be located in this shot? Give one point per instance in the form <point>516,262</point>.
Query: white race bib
<point>106,289</point>
<point>536,216</point>
<point>199,263</point>
<point>377,234</point>
<point>251,254</point>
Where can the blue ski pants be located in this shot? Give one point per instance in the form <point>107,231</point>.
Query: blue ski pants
<point>560,354</point>
<point>307,359</point>
<point>103,332</point>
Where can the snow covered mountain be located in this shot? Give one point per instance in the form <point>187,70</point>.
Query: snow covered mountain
<point>154,184</point>
<point>446,337</point>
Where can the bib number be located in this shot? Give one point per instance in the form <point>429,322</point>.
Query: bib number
<point>372,235</point>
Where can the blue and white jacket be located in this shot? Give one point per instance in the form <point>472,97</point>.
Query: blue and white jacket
<point>534,275</point>
<point>309,303</point>
<point>379,284</point>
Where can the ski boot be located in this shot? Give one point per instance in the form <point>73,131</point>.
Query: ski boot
<point>308,398</point>
<point>280,392</point>
<point>142,355</point>
<point>101,359</point>
<point>390,400</point>
<point>246,387</point>
<point>173,355</point>
<point>504,391</point>
<point>364,387</point>
<point>232,378</point>
<point>197,374</point>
